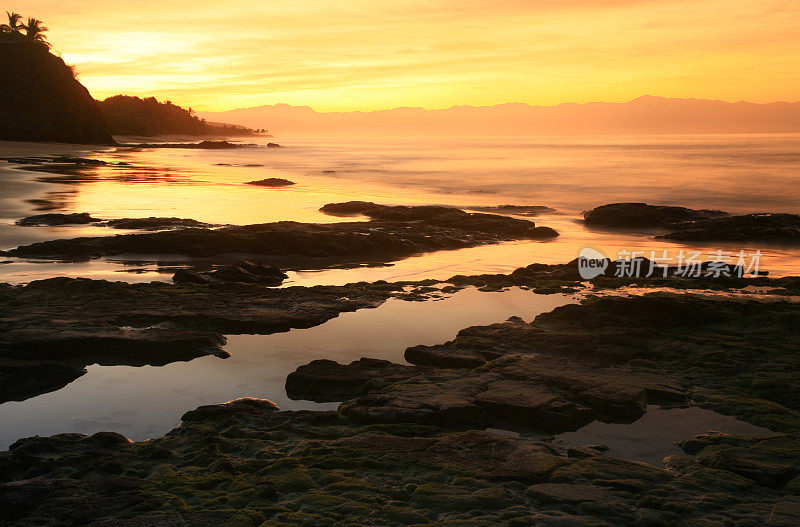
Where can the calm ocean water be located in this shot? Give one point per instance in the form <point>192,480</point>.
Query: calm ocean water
<point>736,173</point>
<point>739,174</point>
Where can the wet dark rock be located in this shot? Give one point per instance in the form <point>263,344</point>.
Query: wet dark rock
<point>245,406</point>
<point>185,276</point>
<point>242,272</point>
<point>249,273</point>
<point>83,218</point>
<point>23,160</point>
<point>785,513</point>
<point>771,461</point>
<point>77,218</point>
<point>564,493</point>
<point>273,145</point>
<point>153,223</point>
<point>439,216</point>
<point>517,210</point>
<point>401,451</point>
<point>271,182</point>
<point>400,232</point>
<point>387,212</point>
<point>546,394</point>
<point>229,463</point>
<point>775,228</point>
<point>326,380</point>
<point>642,215</point>
<point>563,278</point>
<point>641,267</point>
<point>580,452</point>
<point>697,341</point>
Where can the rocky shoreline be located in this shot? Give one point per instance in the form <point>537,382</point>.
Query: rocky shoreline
<point>409,444</point>
<point>424,443</point>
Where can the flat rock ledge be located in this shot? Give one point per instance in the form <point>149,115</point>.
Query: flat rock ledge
<point>151,223</point>
<point>392,233</point>
<point>692,225</point>
<point>642,215</point>
<point>773,228</point>
<point>273,182</point>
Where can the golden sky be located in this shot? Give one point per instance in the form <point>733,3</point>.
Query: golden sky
<point>375,54</point>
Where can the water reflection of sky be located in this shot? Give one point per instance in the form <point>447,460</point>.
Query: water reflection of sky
<point>743,173</point>
<point>142,402</point>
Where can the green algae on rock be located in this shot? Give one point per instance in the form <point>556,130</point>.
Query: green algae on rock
<point>247,463</point>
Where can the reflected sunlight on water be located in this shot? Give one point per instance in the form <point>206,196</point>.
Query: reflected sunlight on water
<point>738,173</point>
<point>143,402</point>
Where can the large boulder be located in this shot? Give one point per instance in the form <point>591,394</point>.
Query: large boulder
<point>326,380</point>
<point>53,219</point>
<point>644,216</point>
<point>776,228</point>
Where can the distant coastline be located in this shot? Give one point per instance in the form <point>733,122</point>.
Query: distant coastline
<point>644,115</point>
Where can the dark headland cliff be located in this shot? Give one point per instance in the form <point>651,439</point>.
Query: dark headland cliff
<point>41,100</point>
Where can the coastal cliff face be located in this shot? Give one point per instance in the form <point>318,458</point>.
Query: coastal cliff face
<point>40,100</point>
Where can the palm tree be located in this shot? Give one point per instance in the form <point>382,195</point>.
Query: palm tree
<point>34,30</point>
<point>13,25</point>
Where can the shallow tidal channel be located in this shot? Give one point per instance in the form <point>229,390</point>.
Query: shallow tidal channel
<point>147,401</point>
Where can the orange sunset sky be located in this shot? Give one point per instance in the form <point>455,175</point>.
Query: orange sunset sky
<point>364,55</point>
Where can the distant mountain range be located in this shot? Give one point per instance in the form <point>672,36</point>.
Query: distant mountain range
<point>645,115</point>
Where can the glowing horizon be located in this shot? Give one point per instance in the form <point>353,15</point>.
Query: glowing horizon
<point>360,55</point>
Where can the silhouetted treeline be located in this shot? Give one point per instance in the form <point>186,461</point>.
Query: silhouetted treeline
<point>18,31</point>
<point>128,115</point>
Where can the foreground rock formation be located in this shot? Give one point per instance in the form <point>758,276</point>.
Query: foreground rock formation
<point>392,233</point>
<point>408,447</point>
<point>246,463</point>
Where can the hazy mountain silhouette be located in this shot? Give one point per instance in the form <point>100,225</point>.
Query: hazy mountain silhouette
<point>645,115</point>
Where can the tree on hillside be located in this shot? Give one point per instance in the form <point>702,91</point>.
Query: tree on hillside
<point>13,25</point>
<point>34,30</point>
